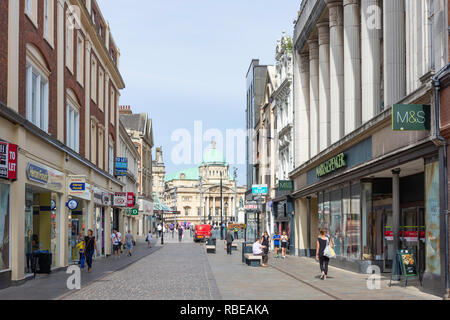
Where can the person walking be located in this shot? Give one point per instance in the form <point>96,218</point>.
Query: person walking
<point>90,246</point>
<point>236,232</point>
<point>265,242</point>
<point>149,239</point>
<point>129,239</point>
<point>228,242</point>
<point>115,240</point>
<point>284,244</point>
<point>172,229</point>
<point>276,244</point>
<point>322,242</point>
<point>257,249</point>
<point>159,230</point>
<point>180,234</point>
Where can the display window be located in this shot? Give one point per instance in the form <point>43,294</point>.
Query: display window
<point>4,226</point>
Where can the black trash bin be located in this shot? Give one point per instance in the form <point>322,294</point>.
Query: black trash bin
<point>211,242</point>
<point>42,263</point>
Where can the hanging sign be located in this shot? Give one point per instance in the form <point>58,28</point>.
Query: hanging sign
<point>130,199</point>
<point>411,117</point>
<point>121,166</point>
<point>259,189</point>
<point>120,199</point>
<point>72,204</point>
<point>8,160</point>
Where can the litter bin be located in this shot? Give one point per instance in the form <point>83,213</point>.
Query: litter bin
<point>42,262</point>
<point>247,247</point>
<point>211,242</point>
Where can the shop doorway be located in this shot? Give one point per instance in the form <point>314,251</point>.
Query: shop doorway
<point>99,231</point>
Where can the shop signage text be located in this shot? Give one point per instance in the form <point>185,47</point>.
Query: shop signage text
<point>78,187</point>
<point>37,174</point>
<point>411,117</point>
<point>120,199</point>
<point>130,199</point>
<point>331,165</point>
<point>287,185</point>
<point>121,166</point>
<point>8,160</point>
<point>251,205</point>
<point>134,212</point>
<point>259,189</point>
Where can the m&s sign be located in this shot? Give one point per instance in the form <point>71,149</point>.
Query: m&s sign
<point>411,117</point>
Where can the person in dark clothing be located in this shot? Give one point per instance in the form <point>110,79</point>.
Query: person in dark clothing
<point>229,241</point>
<point>322,242</point>
<point>90,245</point>
<point>265,241</point>
<point>180,234</point>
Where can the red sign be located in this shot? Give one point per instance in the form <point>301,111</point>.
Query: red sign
<point>8,160</point>
<point>130,200</point>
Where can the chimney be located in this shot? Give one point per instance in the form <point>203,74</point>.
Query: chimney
<point>125,110</point>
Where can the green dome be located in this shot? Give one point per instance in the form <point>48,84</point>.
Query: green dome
<point>214,156</point>
<point>189,174</point>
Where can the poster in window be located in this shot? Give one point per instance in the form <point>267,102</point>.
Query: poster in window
<point>432,216</point>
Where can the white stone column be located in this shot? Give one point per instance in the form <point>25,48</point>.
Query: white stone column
<point>301,109</point>
<point>370,59</point>
<point>394,51</point>
<point>314,96</point>
<point>336,13</point>
<point>214,207</point>
<point>352,65</point>
<point>324,84</point>
<point>87,101</point>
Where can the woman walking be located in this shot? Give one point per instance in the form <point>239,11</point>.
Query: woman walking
<point>322,242</point>
<point>90,247</point>
<point>129,242</point>
<point>284,243</point>
<point>265,241</point>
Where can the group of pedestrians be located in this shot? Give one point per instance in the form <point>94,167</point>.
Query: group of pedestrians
<point>116,239</point>
<point>262,246</point>
<point>86,246</point>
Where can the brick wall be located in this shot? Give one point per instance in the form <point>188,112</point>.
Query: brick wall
<point>3,51</point>
<point>31,35</point>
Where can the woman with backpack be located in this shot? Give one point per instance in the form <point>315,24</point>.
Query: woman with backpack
<point>323,252</point>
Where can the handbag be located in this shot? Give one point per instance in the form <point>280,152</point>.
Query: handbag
<point>329,251</point>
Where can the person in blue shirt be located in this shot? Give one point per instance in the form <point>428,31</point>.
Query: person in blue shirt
<point>276,243</point>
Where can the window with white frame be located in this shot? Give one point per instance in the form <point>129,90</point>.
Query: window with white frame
<point>111,158</point>
<point>72,127</point>
<point>36,97</point>
<point>46,18</point>
<point>112,103</point>
<point>31,7</point>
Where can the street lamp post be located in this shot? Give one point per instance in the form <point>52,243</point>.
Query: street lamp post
<point>226,212</point>
<point>235,196</point>
<point>162,223</point>
<point>221,208</point>
<point>201,201</point>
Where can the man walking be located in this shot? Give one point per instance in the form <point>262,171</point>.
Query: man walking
<point>180,234</point>
<point>159,230</point>
<point>229,241</point>
<point>115,243</point>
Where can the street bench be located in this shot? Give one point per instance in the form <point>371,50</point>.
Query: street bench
<point>234,247</point>
<point>210,249</point>
<point>252,260</point>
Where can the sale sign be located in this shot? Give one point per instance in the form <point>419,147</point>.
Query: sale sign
<point>8,160</point>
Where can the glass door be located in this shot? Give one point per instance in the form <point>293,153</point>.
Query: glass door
<point>413,234</point>
<point>388,240</point>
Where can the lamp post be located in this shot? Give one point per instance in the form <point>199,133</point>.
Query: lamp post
<point>162,223</point>
<point>201,200</point>
<point>221,209</point>
<point>235,196</point>
<point>226,212</point>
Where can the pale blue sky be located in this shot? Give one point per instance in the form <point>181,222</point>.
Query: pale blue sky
<point>186,60</point>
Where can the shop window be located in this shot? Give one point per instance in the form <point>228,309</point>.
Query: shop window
<point>36,97</point>
<point>336,220</point>
<point>352,224</point>
<point>69,46</point>
<point>4,226</point>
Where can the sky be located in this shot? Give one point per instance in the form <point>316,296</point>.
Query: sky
<point>186,60</point>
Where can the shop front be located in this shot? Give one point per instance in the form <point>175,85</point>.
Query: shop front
<point>372,202</point>
<point>43,210</point>
<point>79,196</point>
<point>283,216</point>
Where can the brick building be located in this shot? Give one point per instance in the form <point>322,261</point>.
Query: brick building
<point>59,91</point>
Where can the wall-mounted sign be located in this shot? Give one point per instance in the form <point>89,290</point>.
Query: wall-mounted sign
<point>130,199</point>
<point>411,117</point>
<point>331,165</point>
<point>37,174</point>
<point>121,167</point>
<point>287,185</point>
<point>120,199</point>
<point>8,160</point>
<point>101,197</point>
<point>251,205</point>
<point>259,189</point>
<point>53,205</point>
<point>77,187</point>
<point>134,212</point>
<point>72,204</point>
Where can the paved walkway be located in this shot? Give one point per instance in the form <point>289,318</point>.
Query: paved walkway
<point>296,278</point>
<point>47,287</point>
<point>179,271</point>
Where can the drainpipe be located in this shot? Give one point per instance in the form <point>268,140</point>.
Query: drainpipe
<point>443,166</point>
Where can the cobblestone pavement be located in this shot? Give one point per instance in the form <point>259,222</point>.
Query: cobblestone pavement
<point>46,287</point>
<point>176,272</point>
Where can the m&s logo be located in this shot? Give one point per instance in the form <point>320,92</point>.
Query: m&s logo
<point>411,117</point>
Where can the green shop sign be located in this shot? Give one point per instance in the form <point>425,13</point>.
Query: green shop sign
<point>331,165</point>
<point>134,211</point>
<point>411,117</point>
<point>287,185</point>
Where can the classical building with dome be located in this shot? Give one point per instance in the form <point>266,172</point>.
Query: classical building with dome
<point>195,192</point>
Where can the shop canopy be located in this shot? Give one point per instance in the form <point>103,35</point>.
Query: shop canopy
<point>158,206</point>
